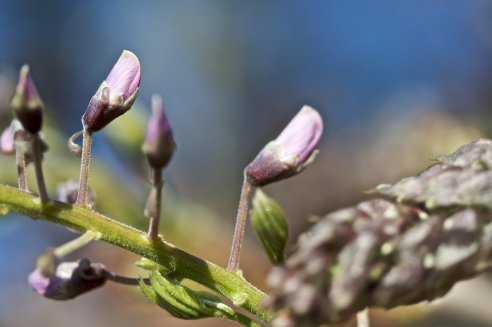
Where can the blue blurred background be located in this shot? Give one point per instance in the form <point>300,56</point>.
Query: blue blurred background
<point>397,83</point>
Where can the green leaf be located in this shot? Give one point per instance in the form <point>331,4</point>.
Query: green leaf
<point>268,221</point>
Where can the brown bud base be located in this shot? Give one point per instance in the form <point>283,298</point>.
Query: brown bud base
<point>31,119</point>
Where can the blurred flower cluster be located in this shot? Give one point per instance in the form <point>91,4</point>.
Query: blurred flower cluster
<point>385,254</point>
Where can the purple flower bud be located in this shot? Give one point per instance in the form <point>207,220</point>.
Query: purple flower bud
<point>7,142</point>
<point>116,94</point>
<point>26,103</point>
<point>159,144</point>
<point>290,152</point>
<point>70,280</point>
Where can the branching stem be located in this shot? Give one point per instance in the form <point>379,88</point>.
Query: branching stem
<point>184,265</point>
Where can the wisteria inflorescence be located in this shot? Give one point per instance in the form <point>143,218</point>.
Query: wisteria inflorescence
<point>432,231</point>
<point>412,242</point>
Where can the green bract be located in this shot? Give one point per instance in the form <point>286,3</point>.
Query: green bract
<point>268,221</point>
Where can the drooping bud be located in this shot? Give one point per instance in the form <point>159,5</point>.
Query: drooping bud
<point>116,94</point>
<point>159,144</point>
<point>26,103</point>
<point>69,281</point>
<point>269,223</point>
<point>290,152</point>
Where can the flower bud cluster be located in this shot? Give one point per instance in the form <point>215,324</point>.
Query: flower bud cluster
<point>383,254</point>
<point>378,254</point>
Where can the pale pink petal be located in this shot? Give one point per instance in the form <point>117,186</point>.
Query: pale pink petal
<point>301,136</point>
<point>124,78</point>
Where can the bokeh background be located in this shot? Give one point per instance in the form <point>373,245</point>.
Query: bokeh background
<point>397,83</point>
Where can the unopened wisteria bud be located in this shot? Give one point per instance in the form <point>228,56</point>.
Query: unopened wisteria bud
<point>70,280</point>
<point>290,152</point>
<point>159,144</point>
<point>116,94</point>
<point>26,103</point>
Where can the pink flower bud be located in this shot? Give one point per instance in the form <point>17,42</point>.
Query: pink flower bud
<point>116,94</point>
<point>70,280</point>
<point>290,152</point>
<point>7,142</point>
<point>159,144</point>
<point>15,135</point>
<point>26,103</point>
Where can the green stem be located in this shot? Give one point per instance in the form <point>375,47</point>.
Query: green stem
<point>245,321</point>
<point>228,283</point>
<point>75,244</point>
<point>131,281</point>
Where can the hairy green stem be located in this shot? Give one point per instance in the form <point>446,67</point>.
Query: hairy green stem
<point>75,244</point>
<point>228,283</point>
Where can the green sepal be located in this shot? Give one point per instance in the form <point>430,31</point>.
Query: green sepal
<point>146,264</point>
<point>149,265</point>
<point>269,223</point>
<point>183,302</point>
